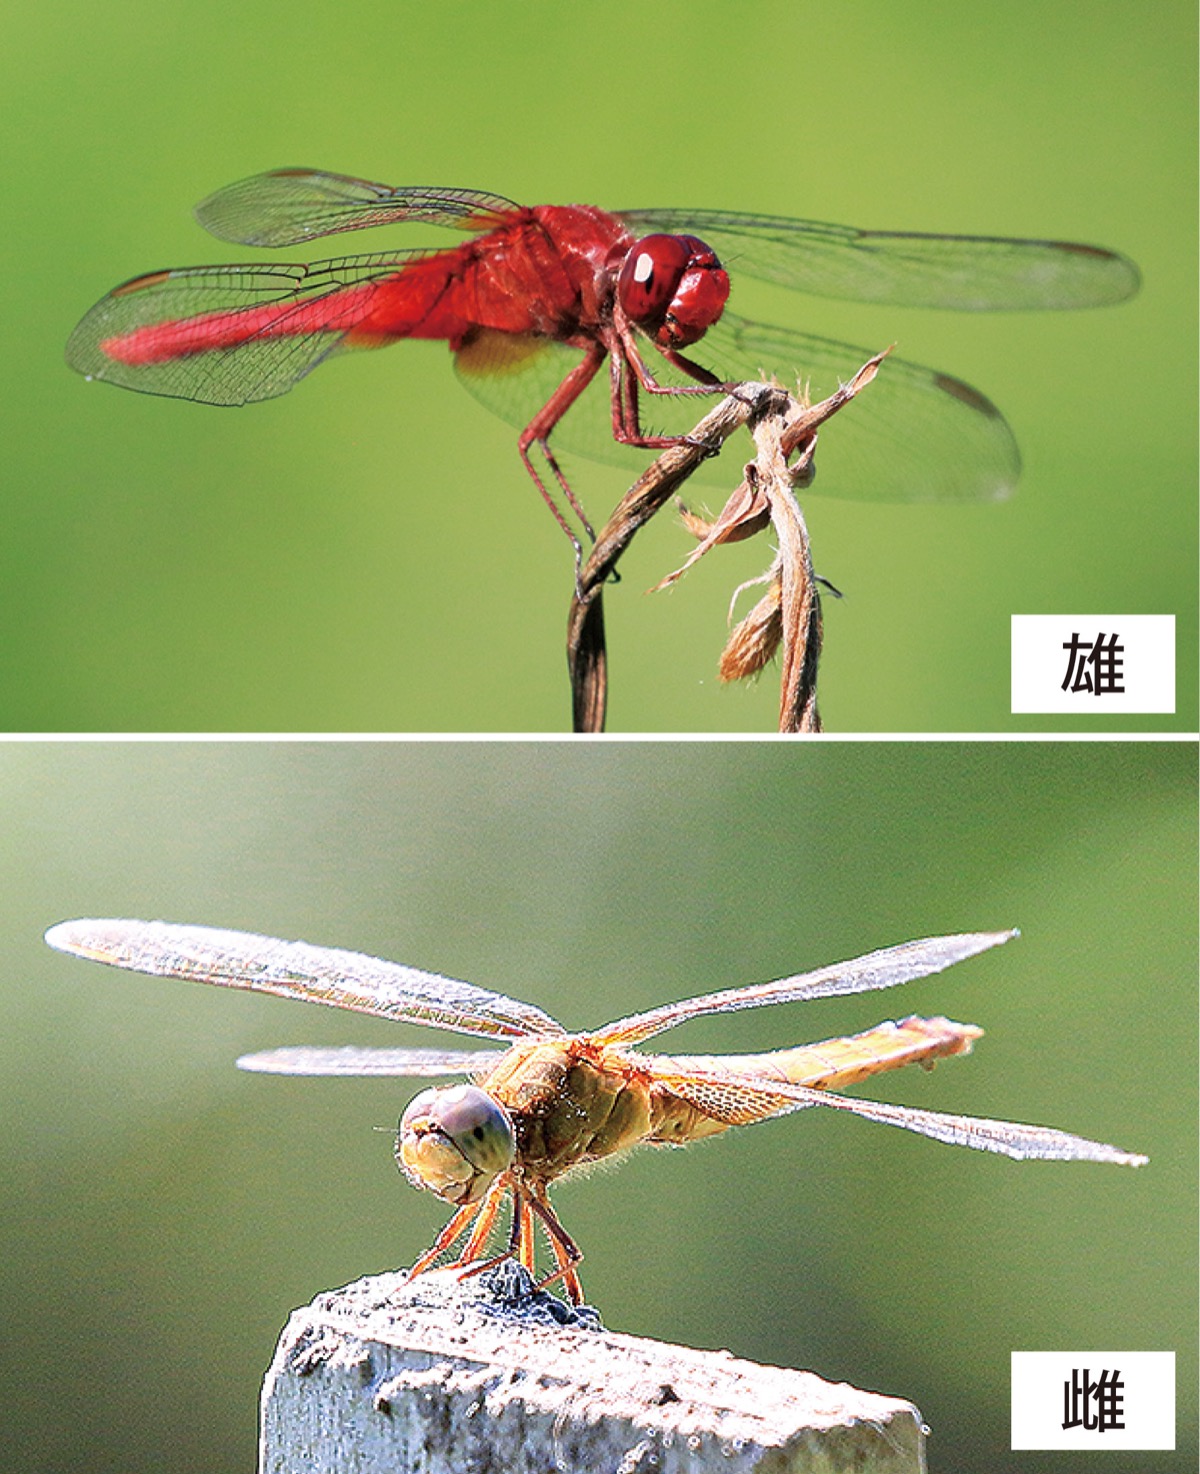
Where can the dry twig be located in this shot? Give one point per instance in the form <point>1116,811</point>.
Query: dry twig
<point>789,614</point>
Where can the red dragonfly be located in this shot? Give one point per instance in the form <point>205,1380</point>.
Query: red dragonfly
<point>540,296</point>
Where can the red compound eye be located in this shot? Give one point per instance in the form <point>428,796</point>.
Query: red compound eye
<point>673,287</point>
<point>652,272</point>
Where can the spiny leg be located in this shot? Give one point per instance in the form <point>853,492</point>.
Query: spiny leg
<point>706,381</point>
<point>488,1209</point>
<point>526,1245</point>
<point>528,1203</point>
<point>469,1262</point>
<point>484,1215</point>
<point>538,432</point>
<point>629,371</point>
<point>567,1253</point>
<point>452,1230</point>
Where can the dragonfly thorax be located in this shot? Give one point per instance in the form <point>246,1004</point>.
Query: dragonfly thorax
<point>570,1104</point>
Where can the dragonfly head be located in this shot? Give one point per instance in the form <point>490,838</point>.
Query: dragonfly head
<point>454,1141</point>
<point>672,287</point>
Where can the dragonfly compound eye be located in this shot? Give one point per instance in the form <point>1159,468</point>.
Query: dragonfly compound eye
<point>454,1142</point>
<point>673,287</point>
<point>649,278</point>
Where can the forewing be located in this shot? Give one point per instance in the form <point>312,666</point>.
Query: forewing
<point>738,1100</point>
<point>904,269</point>
<point>235,959</point>
<point>350,1059</point>
<point>288,206</point>
<point>317,306</point>
<point>887,968</point>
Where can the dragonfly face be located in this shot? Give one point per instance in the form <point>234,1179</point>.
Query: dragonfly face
<point>673,288</point>
<point>455,1142</point>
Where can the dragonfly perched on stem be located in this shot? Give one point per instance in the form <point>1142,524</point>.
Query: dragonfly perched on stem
<point>541,297</point>
<point>553,1102</point>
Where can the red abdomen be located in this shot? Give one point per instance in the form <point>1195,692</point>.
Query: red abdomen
<point>541,272</point>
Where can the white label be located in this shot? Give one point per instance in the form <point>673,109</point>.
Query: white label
<point>1093,664</point>
<point>1093,1399</point>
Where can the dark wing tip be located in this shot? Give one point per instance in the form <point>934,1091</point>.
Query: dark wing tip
<point>1124,275</point>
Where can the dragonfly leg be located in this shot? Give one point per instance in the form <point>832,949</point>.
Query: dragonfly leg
<point>520,1230</point>
<point>538,430</point>
<point>483,1213</point>
<point>488,1209</point>
<point>525,1245</point>
<point>626,416</point>
<point>528,1203</point>
<point>706,381</point>
<point>567,1253</point>
<point>452,1230</point>
<point>630,372</point>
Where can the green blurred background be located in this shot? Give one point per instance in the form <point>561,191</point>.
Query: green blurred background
<point>322,562</point>
<point>163,1213</point>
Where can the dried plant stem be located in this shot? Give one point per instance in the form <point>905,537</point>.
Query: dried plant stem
<point>785,436</point>
<point>792,574</point>
<point>586,656</point>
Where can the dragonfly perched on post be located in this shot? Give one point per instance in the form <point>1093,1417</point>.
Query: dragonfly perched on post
<point>540,297</point>
<point>553,1102</point>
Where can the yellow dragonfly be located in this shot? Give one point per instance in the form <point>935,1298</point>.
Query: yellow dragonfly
<point>552,1101</point>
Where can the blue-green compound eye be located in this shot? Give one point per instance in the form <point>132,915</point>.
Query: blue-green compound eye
<point>454,1142</point>
<point>476,1125</point>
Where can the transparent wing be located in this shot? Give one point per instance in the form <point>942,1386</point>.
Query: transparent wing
<point>969,273</point>
<point>288,206</point>
<point>884,969</point>
<point>738,1100</point>
<point>229,334</point>
<point>914,435</point>
<point>513,376</point>
<point>234,959</point>
<point>350,1059</point>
